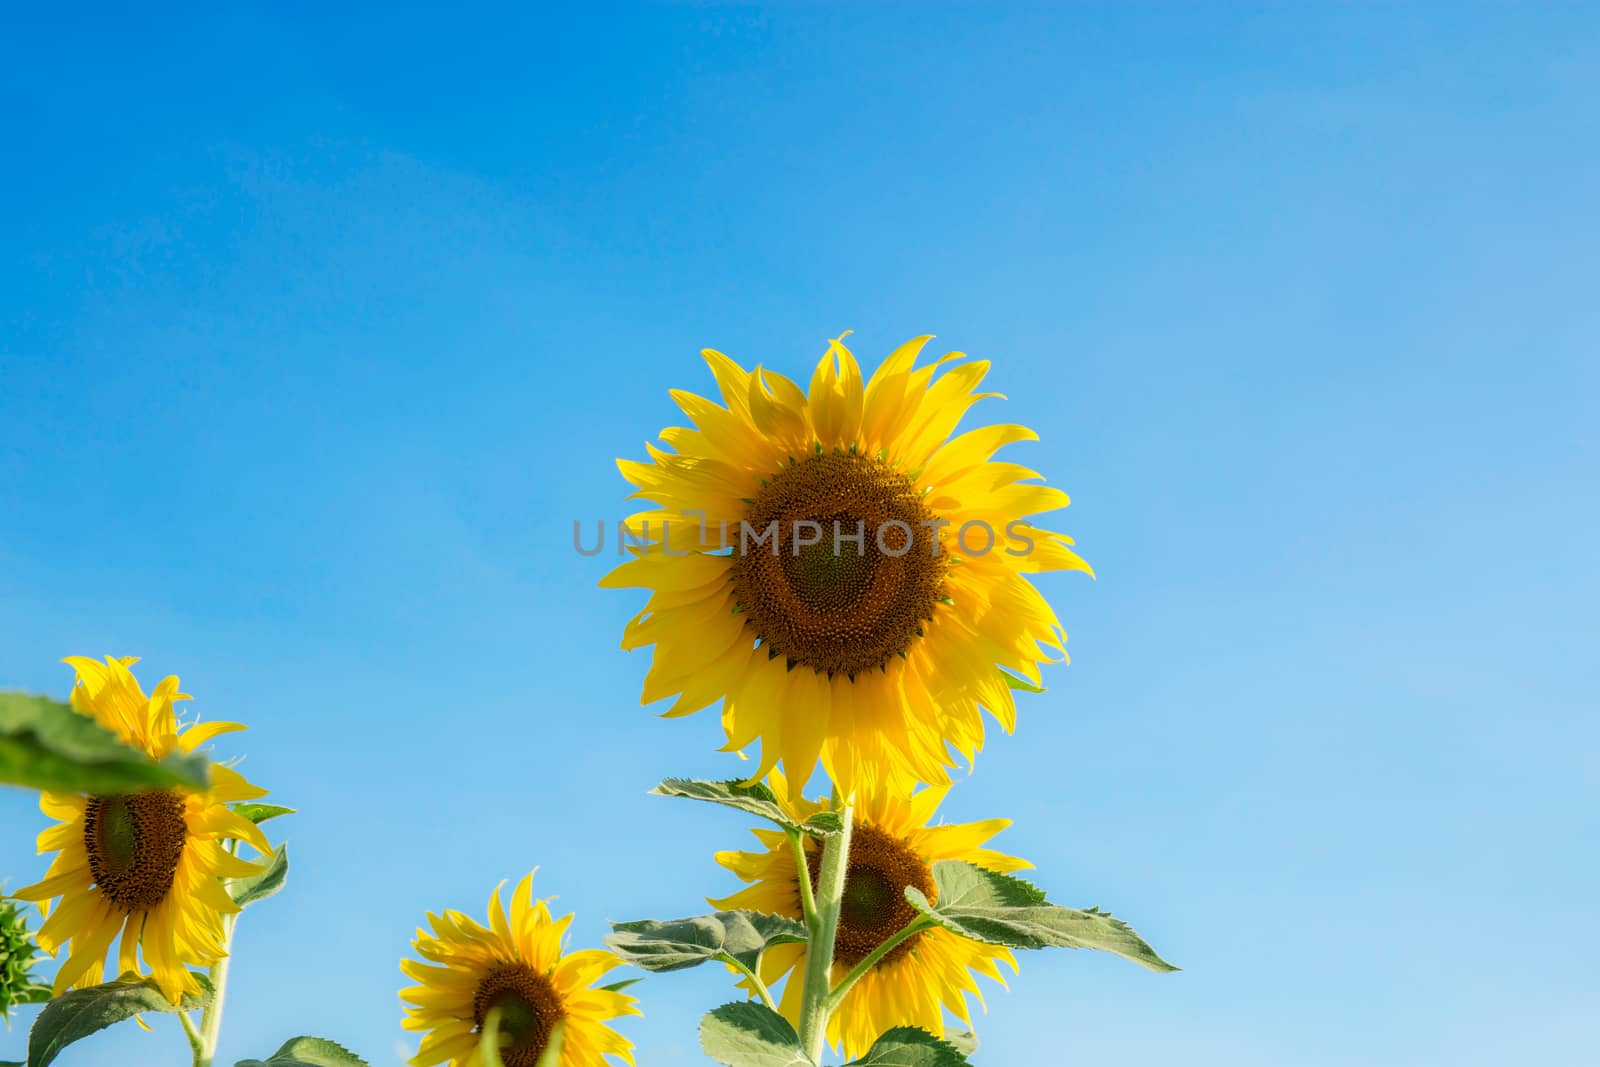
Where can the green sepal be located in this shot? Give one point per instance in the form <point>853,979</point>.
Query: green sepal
<point>1001,910</point>
<point>907,1046</point>
<point>679,943</point>
<point>18,955</point>
<point>750,1034</point>
<point>77,1013</point>
<point>755,798</point>
<point>260,813</point>
<point>617,987</point>
<point>261,886</point>
<point>45,744</point>
<point>308,1052</point>
<point>1016,681</point>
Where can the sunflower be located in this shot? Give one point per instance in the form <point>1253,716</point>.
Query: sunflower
<point>892,846</point>
<point>515,965</point>
<point>147,865</point>
<point>846,577</point>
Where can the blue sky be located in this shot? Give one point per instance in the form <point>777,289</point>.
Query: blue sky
<point>318,331</point>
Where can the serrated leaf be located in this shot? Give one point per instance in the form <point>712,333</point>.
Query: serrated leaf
<point>674,944</point>
<point>748,1034</point>
<point>308,1052</point>
<point>907,1046</point>
<point>823,824</point>
<point>1016,681</point>
<point>965,1042</point>
<point>1001,910</point>
<point>755,798</point>
<point>263,885</point>
<point>77,1013</point>
<point>45,744</point>
<point>260,813</point>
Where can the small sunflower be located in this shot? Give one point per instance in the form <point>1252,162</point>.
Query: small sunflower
<point>840,572</point>
<point>148,865</point>
<point>515,965</point>
<point>18,953</point>
<point>892,847</point>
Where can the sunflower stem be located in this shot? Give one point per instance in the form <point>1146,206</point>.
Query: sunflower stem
<point>489,1039</point>
<point>192,1034</point>
<point>755,980</point>
<point>914,927</point>
<point>211,1018</point>
<point>808,902</point>
<point>814,1001</point>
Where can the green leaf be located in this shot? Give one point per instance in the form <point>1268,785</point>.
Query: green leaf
<point>748,1034</point>
<point>260,813</point>
<point>907,1046</point>
<point>308,1052</point>
<point>754,798</point>
<point>823,824</point>
<point>617,987</point>
<point>77,1013</point>
<point>45,744</point>
<point>263,885</point>
<point>1016,681</point>
<point>1001,910</point>
<point>965,1042</point>
<point>678,943</point>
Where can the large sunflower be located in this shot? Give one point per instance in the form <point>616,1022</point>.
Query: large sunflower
<point>840,572</point>
<point>892,847</point>
<point>515,965</point>
<point>146,865</point>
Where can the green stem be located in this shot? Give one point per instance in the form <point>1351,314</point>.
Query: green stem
<point>211,1018</point>
<point>914,927</point>
<point>755,980</point>
<point>192,1034</point>
<point>808,903</point>
<point>823,930</point>
<point>489,1040</point>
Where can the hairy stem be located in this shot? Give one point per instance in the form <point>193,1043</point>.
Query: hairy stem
<point>189,1031</point>
<point>211,1018</point>
<point>914,927</point>
<point>755,980</point>
<point>823,930</point>
<point>808,903</point>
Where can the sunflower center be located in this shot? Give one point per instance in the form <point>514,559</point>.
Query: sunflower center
<point>839,564</point>
<point>874,908</point>
<point>529,1010</point>
<point>134,844</point>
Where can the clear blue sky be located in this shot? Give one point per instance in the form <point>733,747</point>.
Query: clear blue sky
<point>317,332</point>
